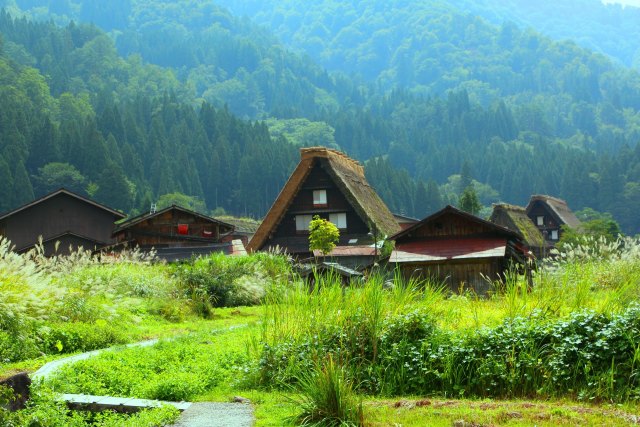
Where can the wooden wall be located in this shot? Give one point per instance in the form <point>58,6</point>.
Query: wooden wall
<point>460,274</point>
<point>162,230</point>
<point>55,216</point>
<point>451,226</point>
<point>302,204</point>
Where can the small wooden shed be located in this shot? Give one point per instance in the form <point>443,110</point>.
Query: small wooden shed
<point>458,249</point>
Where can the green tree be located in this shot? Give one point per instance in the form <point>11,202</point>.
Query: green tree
<point>594,225</point>
<point>22,189</point>
<point>6,187</point>
<point>56,175</point>
<point>192,203</point>
<point>469,201</point>
<point>323,235</point>
<point>114,189</point>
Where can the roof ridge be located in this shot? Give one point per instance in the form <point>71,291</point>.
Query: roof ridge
<point>332,154</point>
<point>547,197</point>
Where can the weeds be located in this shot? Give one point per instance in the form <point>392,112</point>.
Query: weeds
<point>327,397</point>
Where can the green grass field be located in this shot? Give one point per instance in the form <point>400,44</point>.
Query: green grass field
<point>563,352</point>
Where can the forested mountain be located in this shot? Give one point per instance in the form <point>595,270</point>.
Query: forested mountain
<point>326,27</point>
<point>433,92</point>
<point>611,29</point>
<point>120,130</point>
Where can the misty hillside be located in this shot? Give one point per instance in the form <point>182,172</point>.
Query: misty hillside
<point>419,96</point>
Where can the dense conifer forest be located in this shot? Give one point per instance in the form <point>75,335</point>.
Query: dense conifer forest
<point>139,99</point>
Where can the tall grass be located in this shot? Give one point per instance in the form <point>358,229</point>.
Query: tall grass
<point>553,337</point>
<point>327,397</point>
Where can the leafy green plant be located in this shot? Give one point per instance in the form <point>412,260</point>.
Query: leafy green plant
<point>323,235</point>
<point>327,397</point>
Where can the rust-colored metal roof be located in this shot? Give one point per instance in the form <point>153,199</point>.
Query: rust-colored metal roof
<point>360,250</point>
<point>449,249</point>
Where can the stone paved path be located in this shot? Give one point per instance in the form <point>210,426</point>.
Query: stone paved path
<point>213,414</point>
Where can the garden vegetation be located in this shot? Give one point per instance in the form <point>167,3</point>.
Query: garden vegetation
<point>331,354</point>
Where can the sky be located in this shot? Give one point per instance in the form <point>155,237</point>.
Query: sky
<point>635,3</point>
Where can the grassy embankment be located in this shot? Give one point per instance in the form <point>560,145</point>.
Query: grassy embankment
<point>566,350</point>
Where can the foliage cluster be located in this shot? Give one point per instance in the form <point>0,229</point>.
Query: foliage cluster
<point>588,355</point>
<point>323,235</point>
<point>175,370</point>
<point>223,281</point>
<point>78,302</point>
<point>327,397</point>
<point>575,333</point>
<point>43,410</point>
<point>72,303</point>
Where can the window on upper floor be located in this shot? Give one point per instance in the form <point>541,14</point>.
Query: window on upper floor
<point>540,220</point>
<point>302,222</point>
<point>339,220</point>
<point>320,198</point>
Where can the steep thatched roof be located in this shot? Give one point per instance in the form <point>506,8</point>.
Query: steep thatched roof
<point>558,207</point>
<point>348,176</point>
<point>515,218</point>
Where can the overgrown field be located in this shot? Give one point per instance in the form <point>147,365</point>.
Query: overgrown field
<point>568,347</point>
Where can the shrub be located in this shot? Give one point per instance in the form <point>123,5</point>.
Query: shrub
<point>328,398</point>
<point>223,281</point>
<point>79,336</point>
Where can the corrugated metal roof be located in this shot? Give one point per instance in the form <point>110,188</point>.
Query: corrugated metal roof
<point>360,250</point>
<point>449,249</point>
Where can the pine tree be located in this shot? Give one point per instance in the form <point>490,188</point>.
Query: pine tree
<point>6,187</point>
<point>22,188</point>
<point>114,189</point>
<point>469,201</point>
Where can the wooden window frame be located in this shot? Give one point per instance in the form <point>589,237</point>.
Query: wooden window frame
<point>321,200</point>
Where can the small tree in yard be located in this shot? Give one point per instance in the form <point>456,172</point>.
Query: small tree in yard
<point>323,235</point>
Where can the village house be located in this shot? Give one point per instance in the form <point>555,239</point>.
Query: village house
<point>457,249</point>
<point>515,219</point>
<point>176,233</point>
<point>549,214</point>
<point>404,221</point>
<point>329,184</point>
<point>63,220</point>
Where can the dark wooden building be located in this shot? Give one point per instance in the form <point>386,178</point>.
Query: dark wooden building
<point>458,249</point>
<point>515,218</point>
<point>329,184</point>
<point>404,221</point>
<point>175,233</point>
<point>63,220</point>
<point>549,214</point>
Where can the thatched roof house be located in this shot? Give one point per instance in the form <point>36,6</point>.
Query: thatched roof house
<point>515,218</point>
<point>549,214</point>
<point>329,184</point>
